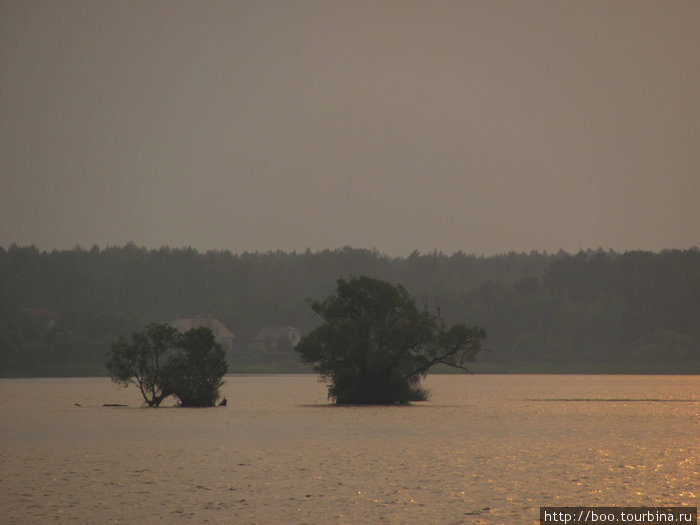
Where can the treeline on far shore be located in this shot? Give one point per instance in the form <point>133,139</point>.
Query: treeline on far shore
<point>589,312</point>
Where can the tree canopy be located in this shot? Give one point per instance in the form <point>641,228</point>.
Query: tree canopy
<point>196,371</point>
<point>374,345</point>
<point>162,361</point>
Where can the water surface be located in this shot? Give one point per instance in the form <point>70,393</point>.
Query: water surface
<point>486,449</point>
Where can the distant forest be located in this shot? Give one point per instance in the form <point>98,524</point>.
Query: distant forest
<point>593,311</point>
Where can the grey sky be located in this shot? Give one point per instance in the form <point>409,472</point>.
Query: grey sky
<point>398,125</point>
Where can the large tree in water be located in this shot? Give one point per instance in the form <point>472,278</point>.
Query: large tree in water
<point>374,345</point>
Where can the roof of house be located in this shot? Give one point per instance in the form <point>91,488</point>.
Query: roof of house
<point>215,325</point>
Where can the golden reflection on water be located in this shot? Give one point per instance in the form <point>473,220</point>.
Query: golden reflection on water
<point>486,449</point>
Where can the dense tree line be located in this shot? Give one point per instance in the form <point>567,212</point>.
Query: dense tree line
<point>61,310</point>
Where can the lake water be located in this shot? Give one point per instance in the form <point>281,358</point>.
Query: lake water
<point>485,449</point>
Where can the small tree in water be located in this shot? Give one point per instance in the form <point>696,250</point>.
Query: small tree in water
<point>198,368</point>
<point>375,346</point>
<point>162,361</point>
<point>144,361</point>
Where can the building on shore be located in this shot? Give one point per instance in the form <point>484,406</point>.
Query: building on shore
<point>223,335</point>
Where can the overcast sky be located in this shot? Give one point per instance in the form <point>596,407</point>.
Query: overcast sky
<point>479,126</point>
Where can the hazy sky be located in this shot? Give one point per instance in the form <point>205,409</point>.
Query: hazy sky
<point>482,126</point>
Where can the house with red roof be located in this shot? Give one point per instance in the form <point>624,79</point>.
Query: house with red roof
<point>223,335</point>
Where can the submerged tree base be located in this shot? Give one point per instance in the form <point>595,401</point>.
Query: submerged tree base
<point>379,395</point>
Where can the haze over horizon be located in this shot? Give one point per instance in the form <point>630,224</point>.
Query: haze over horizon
<point>476,126</point>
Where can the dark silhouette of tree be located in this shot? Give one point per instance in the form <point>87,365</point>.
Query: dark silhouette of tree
<point>162,361</point>
<point>196,371</point>
<point>375,345</point>
<point>145,362</point>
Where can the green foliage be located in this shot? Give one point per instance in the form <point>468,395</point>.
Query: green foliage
<point>146,362</point>
<point>374,345</point>
<point>161,361</point>
<point>197,370</point>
